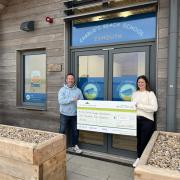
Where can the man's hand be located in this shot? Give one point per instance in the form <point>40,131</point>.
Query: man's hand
<point>75,99</point>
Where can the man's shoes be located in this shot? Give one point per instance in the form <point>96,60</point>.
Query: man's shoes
<point>136,162</point>
<point>77,150</point>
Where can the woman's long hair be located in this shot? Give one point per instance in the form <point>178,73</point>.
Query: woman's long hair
<point>146,81</point>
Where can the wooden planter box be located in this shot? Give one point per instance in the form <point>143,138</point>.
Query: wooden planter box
<point>33,161</point>
<point>147,172</point>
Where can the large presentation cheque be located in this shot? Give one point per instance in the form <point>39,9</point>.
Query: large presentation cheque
<point>115,117</point>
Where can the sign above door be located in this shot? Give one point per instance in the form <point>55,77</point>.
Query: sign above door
<point>133,28</point>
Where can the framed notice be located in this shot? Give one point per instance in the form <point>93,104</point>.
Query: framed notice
<point>34,78</point>
<point>114,117</point>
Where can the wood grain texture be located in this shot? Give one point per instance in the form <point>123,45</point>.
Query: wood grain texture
<point>47,36</point>
<point>42,161</point>
<point>145,172</point>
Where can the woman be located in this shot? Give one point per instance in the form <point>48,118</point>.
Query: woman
<point>146,104</point>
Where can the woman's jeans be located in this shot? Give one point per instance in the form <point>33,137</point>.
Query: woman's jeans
<point>69,122</point>
<point>145,128</point>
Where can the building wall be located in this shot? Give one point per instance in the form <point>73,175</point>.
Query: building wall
<point>162,69</point>
<point>162,66</point>
<point>48,36</point>
<point>162,59</point>
<point>51,37</point>
<point>178,80</point>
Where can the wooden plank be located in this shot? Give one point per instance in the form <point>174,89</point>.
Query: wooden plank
<point>53,96</point>
<point>41,24</point>
<point>55,52</point>
<point>144,172</point>
<point>36,39</point>
<point>48,149</point>
<point>8,177</point>
<point>23,117</point>
<point>15,4</point>
<point>18,169</point>
<point>34,9</point>
<point>54,167</point>
<point>148,149</point>
<point>169,133</point>
<point>30,152</point>
<point>17,150</point>
<point>22,160</point>
<point>58,175</point>
<point>147,172</point>
<point>6,62</point>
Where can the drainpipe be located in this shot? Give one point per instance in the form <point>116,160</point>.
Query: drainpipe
<point>172,61</point>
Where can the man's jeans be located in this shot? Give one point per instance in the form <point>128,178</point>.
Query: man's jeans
<point>71,123</point>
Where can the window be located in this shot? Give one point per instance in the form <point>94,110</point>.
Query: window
<point>31,79</point>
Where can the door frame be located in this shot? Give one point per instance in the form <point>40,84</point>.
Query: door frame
<point>149,47</point>
<point>101,148</point>
<point>106,65</point>
<point>135,44</point>
<point>145,49</point>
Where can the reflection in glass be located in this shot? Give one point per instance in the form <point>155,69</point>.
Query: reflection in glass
<point>91,137</point>
<point>35,78</point>
<point>91,76</point>
<point>91,82</point>
<point>124,142</point>
<point>126,68</point>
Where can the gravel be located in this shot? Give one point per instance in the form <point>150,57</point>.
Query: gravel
<point>166,152</point>
<point>26,135</point>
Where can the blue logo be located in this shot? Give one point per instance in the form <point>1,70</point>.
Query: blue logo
<point>28,97</point>
<point>90,91</point>
<point>126,90</point>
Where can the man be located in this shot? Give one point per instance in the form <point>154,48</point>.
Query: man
<point>67,98</point>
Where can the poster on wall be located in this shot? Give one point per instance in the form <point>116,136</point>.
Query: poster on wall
<point>114,117</point>
<point>35,78</point>
<point>35,86</point>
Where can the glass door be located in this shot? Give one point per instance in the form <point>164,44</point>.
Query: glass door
<point>125,66</point>
<point>91,75</point>
<point>110,74</point>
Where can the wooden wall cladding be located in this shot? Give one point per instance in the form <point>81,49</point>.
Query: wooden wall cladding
<point>45,36</point>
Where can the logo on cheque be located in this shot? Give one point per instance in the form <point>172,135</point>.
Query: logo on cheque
<point>90,91</point>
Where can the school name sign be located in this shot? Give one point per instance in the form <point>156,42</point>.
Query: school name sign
<point>115,117</point>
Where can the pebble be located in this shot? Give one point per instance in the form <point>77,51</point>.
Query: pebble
<point>26,135</point>
<point>166,152</point>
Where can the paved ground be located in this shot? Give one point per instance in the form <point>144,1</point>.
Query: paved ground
<point>83,168</point>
